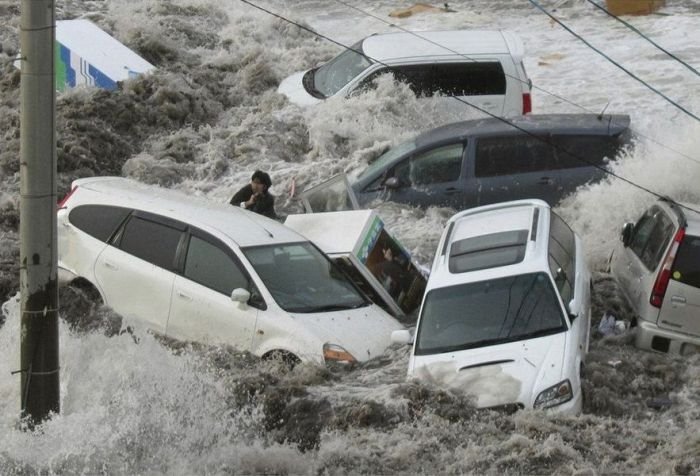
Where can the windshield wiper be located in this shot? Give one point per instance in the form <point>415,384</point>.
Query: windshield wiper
<point>330,307</point>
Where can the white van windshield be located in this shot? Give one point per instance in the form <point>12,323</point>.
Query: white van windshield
<point>334,75</point>
<point>301,279</point>
<point>489,313</point>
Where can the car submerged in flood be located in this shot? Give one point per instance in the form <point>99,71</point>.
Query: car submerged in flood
<point>506,313</point>
<point>196,270</point>
<point>482,161</point>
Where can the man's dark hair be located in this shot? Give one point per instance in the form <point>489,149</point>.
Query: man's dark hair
<point>262,177</point>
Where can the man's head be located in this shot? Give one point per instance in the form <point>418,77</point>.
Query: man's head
<point>260,181</point>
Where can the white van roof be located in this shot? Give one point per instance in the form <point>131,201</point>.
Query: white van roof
<point>243,227</point>
<point>387,47</point>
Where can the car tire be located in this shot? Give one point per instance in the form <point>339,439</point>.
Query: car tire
<point>283,357</point>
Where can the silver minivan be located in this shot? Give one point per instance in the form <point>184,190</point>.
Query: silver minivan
<point>657,266</point>
<point>485,68</point>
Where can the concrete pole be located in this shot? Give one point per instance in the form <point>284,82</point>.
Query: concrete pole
<point>37,230</point>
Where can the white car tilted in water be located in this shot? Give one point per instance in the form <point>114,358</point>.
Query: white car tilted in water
<point>481,67</point>
<point>192,269</point>
<point>506,314</point>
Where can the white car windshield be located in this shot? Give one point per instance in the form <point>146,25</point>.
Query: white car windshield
<point>301,279</point>
<point>334,75</point>
<point>489,313</point>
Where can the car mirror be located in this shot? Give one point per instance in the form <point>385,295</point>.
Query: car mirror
<point>402,337</point>
<point>240,295</point>
<point>626,235</point>
<point>573,305</point>
<point>392,182</point>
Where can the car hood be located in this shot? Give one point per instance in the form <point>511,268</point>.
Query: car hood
<point>364,332</point>
<point>293,88</point>
<point>515,372</point>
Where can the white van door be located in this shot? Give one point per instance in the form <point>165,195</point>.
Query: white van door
<point>202,309</point>
<point>136,274</point>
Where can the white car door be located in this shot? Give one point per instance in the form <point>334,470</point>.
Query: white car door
<point>136,274</point>
<point>202,309</point>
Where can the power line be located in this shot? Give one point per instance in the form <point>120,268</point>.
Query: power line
<point>418,35</point>
<point>628,72</point>
<point>631,27</point>
<point>482,110</point>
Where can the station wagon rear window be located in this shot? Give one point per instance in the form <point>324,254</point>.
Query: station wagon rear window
<point>489,313</point>
<point>488,251</point>
<point>100,221</point>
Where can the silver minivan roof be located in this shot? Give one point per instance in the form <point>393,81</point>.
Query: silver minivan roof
<point>402,45</point>
<point>243,227</point>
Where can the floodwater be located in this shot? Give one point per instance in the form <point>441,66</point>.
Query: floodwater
<point>131,403</point>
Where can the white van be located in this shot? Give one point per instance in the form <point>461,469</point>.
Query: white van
<point>484,68</point>
<point>209,272</point>
<point>506,313</point>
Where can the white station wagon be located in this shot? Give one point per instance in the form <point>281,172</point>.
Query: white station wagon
<point>506,314</point>
<point>209,272</point>
<point>483,67</point>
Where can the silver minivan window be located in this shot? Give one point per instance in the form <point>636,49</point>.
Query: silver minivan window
<point>334,75</point>
<point>302,279</point>
<point>488,313</point>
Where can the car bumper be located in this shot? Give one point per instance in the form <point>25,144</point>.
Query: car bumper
<point>652,337</point>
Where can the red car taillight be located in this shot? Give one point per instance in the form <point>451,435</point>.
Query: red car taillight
<point>527,103</point>
<point>659,290</point>
<point>63,201</point>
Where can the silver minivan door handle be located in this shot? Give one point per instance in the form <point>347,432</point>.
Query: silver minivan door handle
<point>545,181</point>
<point>678,300</point>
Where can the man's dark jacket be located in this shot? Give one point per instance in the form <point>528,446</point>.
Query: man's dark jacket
<point>264,204</point>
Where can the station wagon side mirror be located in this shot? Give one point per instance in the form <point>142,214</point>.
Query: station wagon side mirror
<point>572,306</point>
<point>240,296</point>
<point>392,182</point>
<point>402,337</point>
<point>626,235</point>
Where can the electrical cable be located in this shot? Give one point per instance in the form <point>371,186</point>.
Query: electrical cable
<point>625,70</point>
<point>631,27</point>
<point>480,109</point>
<point>533,86</point>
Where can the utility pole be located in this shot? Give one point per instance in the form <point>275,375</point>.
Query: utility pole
<point>37,229</point>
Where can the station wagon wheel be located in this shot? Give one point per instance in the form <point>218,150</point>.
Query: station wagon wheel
<point>78,302</point>
<point>284,358</point>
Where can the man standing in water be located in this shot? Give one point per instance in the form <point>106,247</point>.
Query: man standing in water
<point>255,196</point>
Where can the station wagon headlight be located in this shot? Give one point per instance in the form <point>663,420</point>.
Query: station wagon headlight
<point>335,353</point>
<point>555,395</point>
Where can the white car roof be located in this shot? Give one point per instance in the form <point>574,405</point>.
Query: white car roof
<point>508,218</point>
<point>243,227</point>
<point>402,45</point>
